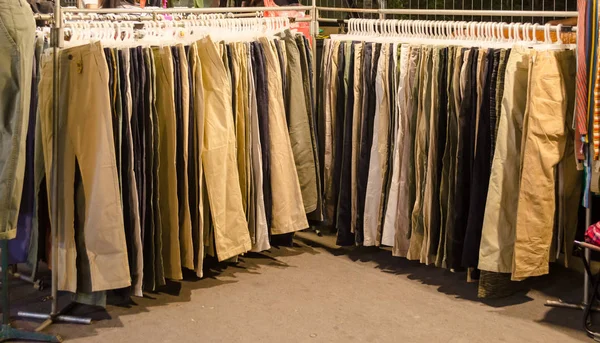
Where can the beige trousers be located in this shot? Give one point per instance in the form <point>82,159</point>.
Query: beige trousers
<point>219,156</point>
<point>241,125</point>
<point>17,36</point>
<point>421,149</point>
<point>167,172</point>
<point>197,92</point>
<point>408,118</point>
<point>543,146</point>
<point>498,235</point>
<point>85,139</point>
<point>330,119</point>
<point>299,128</point>
<point>288,208</point>
<point>185,220</point>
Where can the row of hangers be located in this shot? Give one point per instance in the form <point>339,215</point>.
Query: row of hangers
<point>168,29</point>
<point>485,34</point>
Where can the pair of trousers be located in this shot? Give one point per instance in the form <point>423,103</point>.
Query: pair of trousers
<point>219,157</point>
<point>17,38</point>
<point>259,217</point>
<point>24,247</point>
<point>437,231</point>
<point>549,111</point>
<point>390,217</point>
<point>406,192</point>
<point>129,190</point>
<point>431,205</point>
<point>299,123</point>
<point>499,223</point>
<point>379,151</point>
<point>85,141</point>
<point>185,223</point>
<point>242,126</point>
<point>448,182</point>
<point>330,115</point>
<point>262,96</point>
<point>344,217</point>
<point>307,78</point>
<point>464,160</point>
<point>481,169</point>
<point>197,186</point>
<point>167,176</point>
<point>357,119</point>
<point>372,55</point>
<point>153,147</point>
<point>421,150</point>
<point>288,209</point>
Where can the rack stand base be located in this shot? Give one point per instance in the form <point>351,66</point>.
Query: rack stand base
<point>61,317</point>
<point>7,332</point>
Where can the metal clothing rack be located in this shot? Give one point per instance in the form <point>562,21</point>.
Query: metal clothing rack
<point>547,14</point>
<point>56,40</point>
<point>56,315</point>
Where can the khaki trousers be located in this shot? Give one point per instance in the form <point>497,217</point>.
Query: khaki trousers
<point>544,140</point>
<point>431,204</point>
<point>299,128</point>
<point>331,86</point>
<point>288,208</point>
<point>407,183</point>
<point>219,156</point>
<point>17,37</point>
<point>421,149</point>
<point>241,125</point>
<point>498,235</point>
<point>167,172</point>
<point>197,91</point>
<point>85,141</point>
<point>185,220</point>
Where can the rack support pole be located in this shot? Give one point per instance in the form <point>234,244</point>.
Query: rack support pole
<point>7,332</point>
<point>55,315</point>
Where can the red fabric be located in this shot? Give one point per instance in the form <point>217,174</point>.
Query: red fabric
<point>303,27</point>
<point>592,234</point>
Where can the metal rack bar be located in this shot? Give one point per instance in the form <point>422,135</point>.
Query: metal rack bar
<point>478,13</point>
<point>460,24</point>
<point>186,11</point>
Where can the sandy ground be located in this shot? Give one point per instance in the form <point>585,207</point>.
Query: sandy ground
<point>316,292</point>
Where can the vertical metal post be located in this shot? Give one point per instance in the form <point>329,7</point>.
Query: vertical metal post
<point>382,6</point>
<point>4,296</point>
<point>57,43</point>
<point>55,314</point>
<point>588,221</point>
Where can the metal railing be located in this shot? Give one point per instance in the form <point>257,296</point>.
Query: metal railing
<point>476,5</point>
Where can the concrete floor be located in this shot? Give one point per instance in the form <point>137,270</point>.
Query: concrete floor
<point>316,292</point>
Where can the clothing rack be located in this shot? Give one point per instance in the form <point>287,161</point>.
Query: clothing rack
<point>567,14</point>
<point>57,37</point>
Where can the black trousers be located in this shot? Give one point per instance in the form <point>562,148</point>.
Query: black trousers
<point>344,210</point>
<point>480,173</point>
<point>262,100</point>
<point>436,228</point>
<point>371,52</point>
<point>464,164</point>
